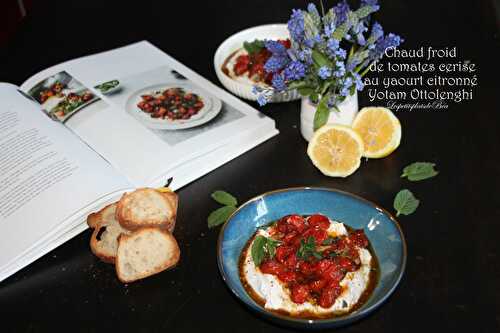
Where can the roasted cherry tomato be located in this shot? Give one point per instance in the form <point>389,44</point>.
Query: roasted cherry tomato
<point>318,221</point>
<point>300,293</point>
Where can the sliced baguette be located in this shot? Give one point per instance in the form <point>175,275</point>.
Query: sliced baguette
<point>145,252</point>
<point>147,207</point>
<point>94,219</point>
<point>104,239</point>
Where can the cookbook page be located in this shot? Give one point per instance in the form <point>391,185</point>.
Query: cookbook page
<point>142,110</point>
<point>48,176</point>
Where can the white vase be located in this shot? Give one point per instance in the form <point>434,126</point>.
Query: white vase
<point>348,110</point>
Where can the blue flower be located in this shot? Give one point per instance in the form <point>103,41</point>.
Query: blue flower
<point>278,82</point>
<point>275,47</point>
<point>262,100</point>
<point>294,71</point>
<point>358,31</point>
<point>329,28</point>
<point>358,82</point>
<point>264,95</point>
<point>332,44</point>
<point>310,42</point>
<point>275,63</point>
<point>372,3</point>
<point>341,12</point>
<point>346,86</point>
<point>305,56</point>
<point>352,63</point>
<point>341,53</point>
<point>376,32</point>
<point>311,8</point>
<point>324,72</point>
<point>389,41</point>
<point>333,50</point>
<point>340,69</point>
<point>296,25</point>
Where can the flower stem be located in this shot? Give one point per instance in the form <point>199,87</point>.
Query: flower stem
<point>322,8</point>
<point>351,52</point>
<point>366,70</point>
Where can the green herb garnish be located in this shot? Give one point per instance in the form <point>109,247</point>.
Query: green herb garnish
<point>220,215</point>
<point>328,241</point>
<point>405,203</point>
<point>253,47</point>
<point>106,86</point>
<point>307,249</point>
<point>263,247</point>
<point>419,171</point>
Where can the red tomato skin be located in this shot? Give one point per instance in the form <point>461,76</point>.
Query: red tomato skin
<point>334,273</point>
<point>317,285</point>
<point>328,295</point>
<point>300,293</point>
<point>318,221</point>
<point>282,252</point>
<point>322,265</point>
<point>287,276</point>
<point>291,261</point>
<point>359,238</point>
<point>271,267</point>
<point>296,222</point>
<point>319,235</point>
<point>306,268</point>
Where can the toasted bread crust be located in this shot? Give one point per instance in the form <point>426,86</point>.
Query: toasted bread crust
<point>126,211</point>
<point>173,199</point>
<point>100,220</point>
<point>171,262</point>
<point>94,219</point>
<point>94,247</point>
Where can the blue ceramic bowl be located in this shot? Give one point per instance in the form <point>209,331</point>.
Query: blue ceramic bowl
<point>383,231</point>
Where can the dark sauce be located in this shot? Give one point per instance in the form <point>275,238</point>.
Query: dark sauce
<point>374,277</point>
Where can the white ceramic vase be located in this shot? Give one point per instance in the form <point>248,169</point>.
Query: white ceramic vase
<point>348,110</point>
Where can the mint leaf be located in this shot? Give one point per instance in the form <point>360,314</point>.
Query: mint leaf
<point>258,249</point>
<point>219,216</point>
<point>322,112</point>
<point>419,171</point>
<point>271,246</point>
<point>405,203</point>
<point>224,198</point>
<point>253,47</point>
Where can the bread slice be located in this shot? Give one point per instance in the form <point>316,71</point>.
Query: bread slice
<point>94,219</point>
<point>147,207</point>
<point>104,239</point>
<point>145,252</point>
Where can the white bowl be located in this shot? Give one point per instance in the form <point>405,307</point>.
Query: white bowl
<point>235,42</point>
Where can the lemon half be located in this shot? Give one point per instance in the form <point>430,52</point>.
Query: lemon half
<point>336,150</point>
<point>380,130</point>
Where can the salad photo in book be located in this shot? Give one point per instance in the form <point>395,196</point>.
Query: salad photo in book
<point>61,96</point>
<point>172,107</point>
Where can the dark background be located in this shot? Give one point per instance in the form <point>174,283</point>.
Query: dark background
<point>453,273</point>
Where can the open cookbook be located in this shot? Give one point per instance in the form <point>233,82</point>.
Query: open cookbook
<point>78,135</point>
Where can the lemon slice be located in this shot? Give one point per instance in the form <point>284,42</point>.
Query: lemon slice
<point>336,150</point>
<point>380,130</point>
